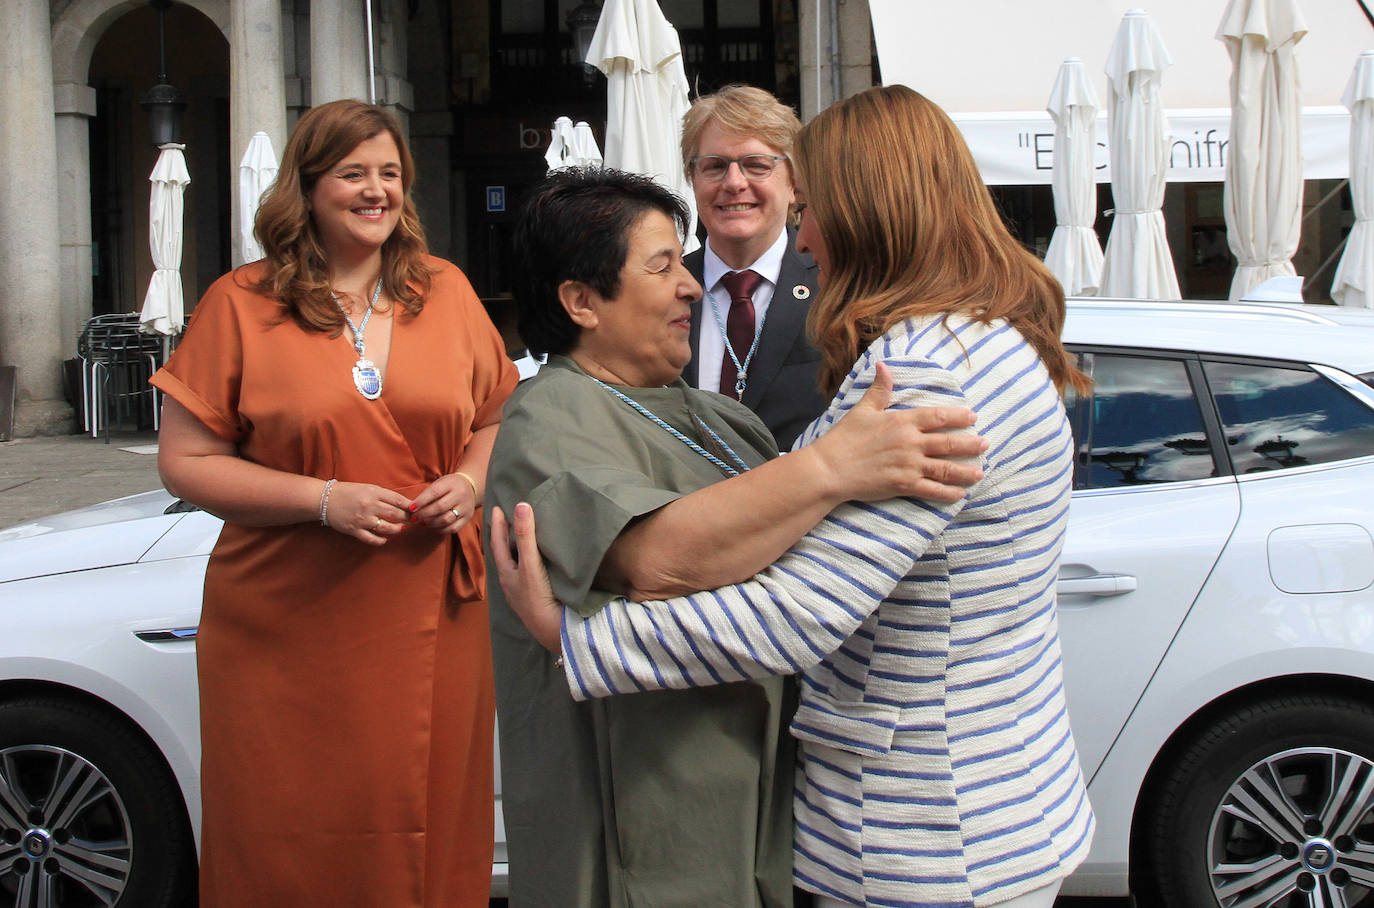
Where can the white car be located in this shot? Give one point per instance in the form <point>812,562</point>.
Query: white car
<point>1216,603</point>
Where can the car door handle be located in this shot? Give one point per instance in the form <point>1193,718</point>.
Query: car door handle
<point>172,634</point>
<point>1097,585</point>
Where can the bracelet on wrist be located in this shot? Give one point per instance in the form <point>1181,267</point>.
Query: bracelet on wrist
<point>476,496</point>
<point>324,501</point>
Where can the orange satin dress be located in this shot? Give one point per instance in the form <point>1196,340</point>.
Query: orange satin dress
<point>345,690</point>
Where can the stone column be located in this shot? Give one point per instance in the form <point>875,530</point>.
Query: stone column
<point>338,51</point>
<point>75,107</point>
<point>847,47</point>
<point>30,269</point>
<point>391,52</point>
<point>257,90</point>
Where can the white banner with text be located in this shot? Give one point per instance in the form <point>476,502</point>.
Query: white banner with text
<point>1017,149</point>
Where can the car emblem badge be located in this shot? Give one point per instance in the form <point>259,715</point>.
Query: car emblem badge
<point>35,844</point>
<point>1318,856</point>
<point>801,291</point>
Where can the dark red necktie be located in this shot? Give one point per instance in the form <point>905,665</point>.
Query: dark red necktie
<point>739,326</point>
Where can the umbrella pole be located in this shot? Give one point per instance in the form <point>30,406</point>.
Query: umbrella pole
<point>816,17</point>
<point>834,51</point>
<point>1330,260</point>
<point>371,61</point>
<point>1326,198</point>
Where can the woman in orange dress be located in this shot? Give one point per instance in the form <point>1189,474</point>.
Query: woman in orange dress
<point>336,404</point>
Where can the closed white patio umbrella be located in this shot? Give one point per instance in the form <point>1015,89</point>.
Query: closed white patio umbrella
<point>257,173</point>
<point>1353,284</point>
<point>1263,188</point>
<point>1075,255</point>
<point>639,51</point>
<point>584,144</point>
<point>164,310</point>
<point>1137,263</point>
<point>571,146</point>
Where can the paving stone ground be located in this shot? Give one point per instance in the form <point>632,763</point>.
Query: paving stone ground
<point>40,476</point>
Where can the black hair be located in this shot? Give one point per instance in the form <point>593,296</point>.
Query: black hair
<point>576,226</point>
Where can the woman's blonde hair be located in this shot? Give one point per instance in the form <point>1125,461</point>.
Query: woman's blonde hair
<point>909,230</point>
<point>298,270</point>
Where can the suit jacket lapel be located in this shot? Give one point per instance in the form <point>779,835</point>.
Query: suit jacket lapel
<point>696,264</point>
<point>785,322</point>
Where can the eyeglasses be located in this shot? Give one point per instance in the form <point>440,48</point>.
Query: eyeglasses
<point>756,167</point>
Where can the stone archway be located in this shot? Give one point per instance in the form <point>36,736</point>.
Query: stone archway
<point>76,32</point>
<point>77,29</point>
<point>124,64</point>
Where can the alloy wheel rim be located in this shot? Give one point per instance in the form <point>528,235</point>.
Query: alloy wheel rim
<point>65,837</point>
<point>1296,830</point>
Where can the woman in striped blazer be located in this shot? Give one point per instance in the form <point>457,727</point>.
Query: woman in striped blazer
<point>937,766</point>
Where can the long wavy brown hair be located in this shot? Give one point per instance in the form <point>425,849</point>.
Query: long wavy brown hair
<point>298,269</point>
<point>910,230</point>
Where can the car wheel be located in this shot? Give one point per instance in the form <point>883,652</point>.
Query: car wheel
<point>89,813</point>
<point>1272,806</point>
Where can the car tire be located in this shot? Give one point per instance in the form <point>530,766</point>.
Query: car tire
<point>89,812</point>
<point>1274,798</point>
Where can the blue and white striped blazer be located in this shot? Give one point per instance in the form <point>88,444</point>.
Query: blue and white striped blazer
<point>937,766</point>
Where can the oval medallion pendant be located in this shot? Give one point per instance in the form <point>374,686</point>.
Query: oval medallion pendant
<point>367,379</point>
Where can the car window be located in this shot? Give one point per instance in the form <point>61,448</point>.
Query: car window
<point>1278,417</point>
<point>1139,425</point>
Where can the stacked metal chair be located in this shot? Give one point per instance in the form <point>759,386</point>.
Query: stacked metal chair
<point>117,359</point>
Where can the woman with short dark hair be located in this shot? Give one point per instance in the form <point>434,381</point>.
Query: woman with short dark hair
<point>578,228</point>
<point>671,797</point>
<point>336,404</point>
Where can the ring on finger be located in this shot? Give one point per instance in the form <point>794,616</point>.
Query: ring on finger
<point>457,515</point>
<point>376,523</point>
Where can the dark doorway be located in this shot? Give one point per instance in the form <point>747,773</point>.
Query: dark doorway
<point>124,64</point>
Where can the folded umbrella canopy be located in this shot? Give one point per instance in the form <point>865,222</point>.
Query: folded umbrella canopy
<point>638,50</point>
<point>257,173</point>
<point>164,310</point>
<point>584,144</point>
<point>571,146</point>
<point>1075,255</point>
<point>1353,284</point>
<point>1263,187</point>
<point>1137,263</point>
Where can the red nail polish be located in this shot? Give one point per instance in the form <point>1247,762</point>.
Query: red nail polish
<point>414,506</point>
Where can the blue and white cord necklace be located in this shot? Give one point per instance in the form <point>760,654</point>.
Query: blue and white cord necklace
<point>741,369</point>
<point>367,378</point>
<point>647,414</point>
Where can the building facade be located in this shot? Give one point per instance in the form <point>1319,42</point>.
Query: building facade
<point>478,84</point>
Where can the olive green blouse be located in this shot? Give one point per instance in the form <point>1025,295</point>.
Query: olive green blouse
<point>661,798</point>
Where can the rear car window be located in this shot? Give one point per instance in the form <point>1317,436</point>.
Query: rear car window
<point>1138,425</point>
<point>1277,417</point>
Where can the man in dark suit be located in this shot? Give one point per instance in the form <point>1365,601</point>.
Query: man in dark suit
<point>734,148</point>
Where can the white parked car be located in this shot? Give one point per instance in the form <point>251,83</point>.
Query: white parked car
<point>1216,603</point>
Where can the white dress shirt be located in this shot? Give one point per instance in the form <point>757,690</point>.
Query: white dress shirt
<point>710,339</point>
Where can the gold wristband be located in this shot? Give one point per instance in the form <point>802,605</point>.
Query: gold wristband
<point>476,496</point>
